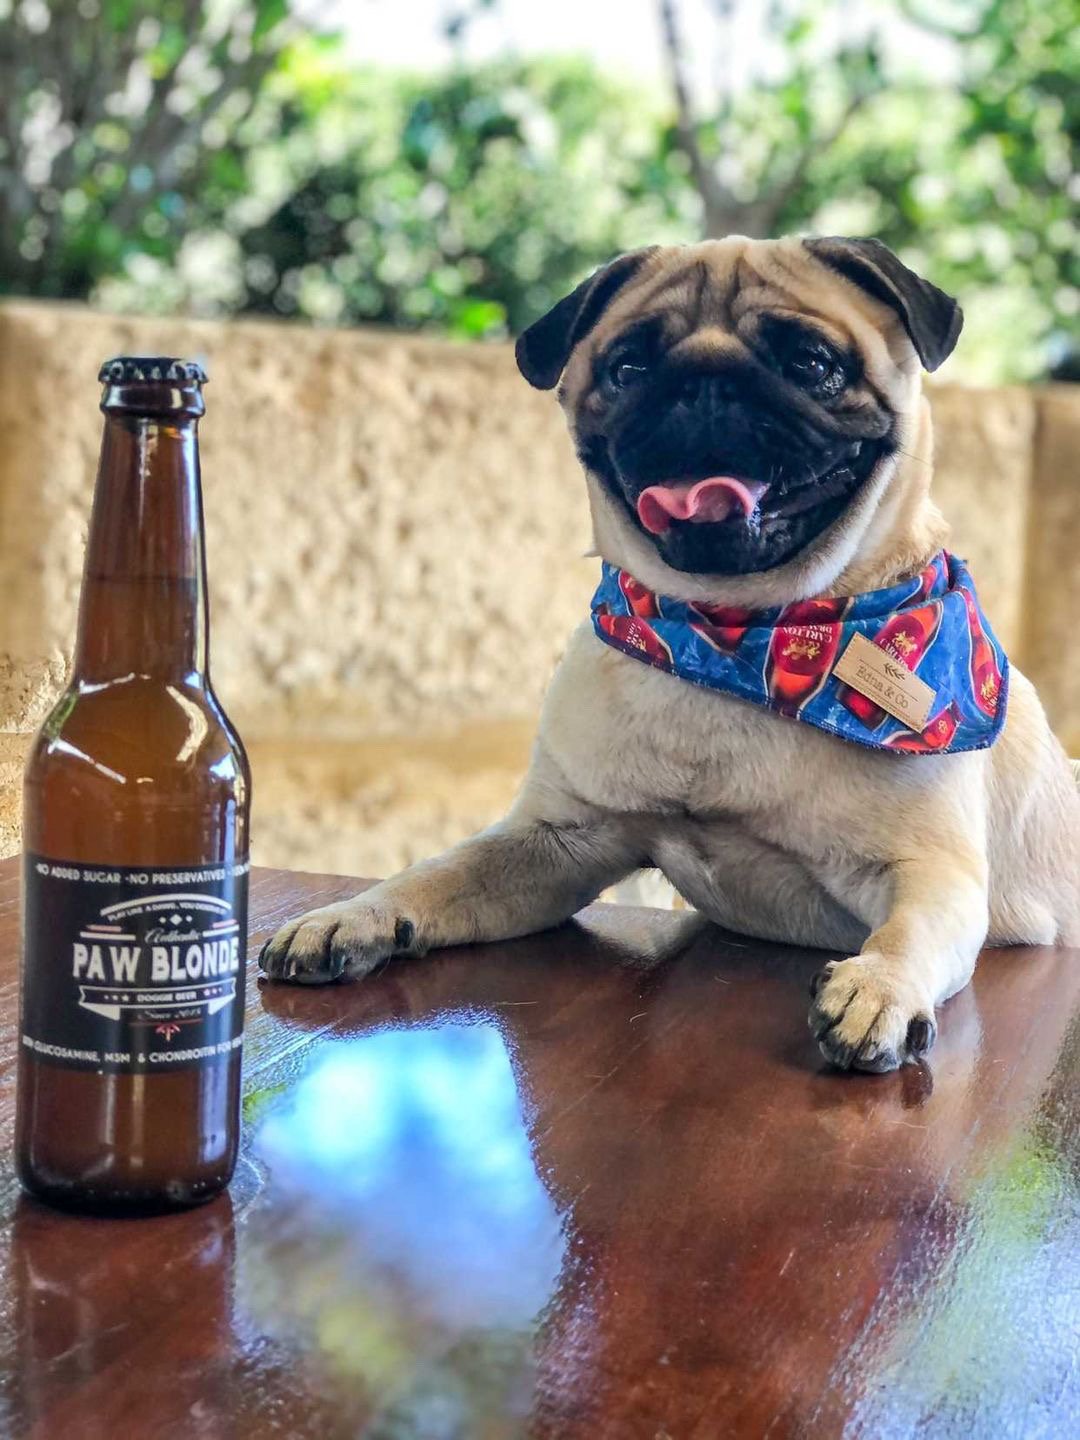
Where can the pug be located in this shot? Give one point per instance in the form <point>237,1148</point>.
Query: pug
<point>754,438</point>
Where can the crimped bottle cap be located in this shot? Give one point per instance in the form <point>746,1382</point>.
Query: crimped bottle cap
<point>145,369</point>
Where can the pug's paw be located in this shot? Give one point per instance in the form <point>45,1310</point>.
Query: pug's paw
<point>867,1015</point>
<point>345,941</point>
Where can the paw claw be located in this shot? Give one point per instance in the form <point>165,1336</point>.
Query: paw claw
<point>404,934</point>
<point>921,1034</point>
<point>819,980</point>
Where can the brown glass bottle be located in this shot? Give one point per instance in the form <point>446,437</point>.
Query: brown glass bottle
<point>135,836</point>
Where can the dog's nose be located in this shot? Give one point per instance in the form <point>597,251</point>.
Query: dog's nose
<point>685,389</point>
<point>702,389</point>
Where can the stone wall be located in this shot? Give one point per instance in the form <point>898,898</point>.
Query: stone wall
<point>1048,645</point>
<point>395,533</point>
<point>392,524</point>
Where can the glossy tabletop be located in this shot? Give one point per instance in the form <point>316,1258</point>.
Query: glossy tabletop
<point>592,1184</point>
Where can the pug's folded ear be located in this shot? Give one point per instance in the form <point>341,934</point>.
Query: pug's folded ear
<point>931,318</point>
<point>544,348</point>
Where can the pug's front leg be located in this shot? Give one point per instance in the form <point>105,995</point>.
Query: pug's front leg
<point>876,1010</point>
<point>520,876</point>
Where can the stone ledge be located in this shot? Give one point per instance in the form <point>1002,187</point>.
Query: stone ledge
<point>371,808</point>
<point>1050,643</point>
<point>12,754</point>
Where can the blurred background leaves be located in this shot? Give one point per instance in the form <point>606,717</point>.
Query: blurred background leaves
<point>231,156</point>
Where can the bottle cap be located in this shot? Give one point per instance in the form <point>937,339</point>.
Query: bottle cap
<point>124,369</point>
<point>152,385</point>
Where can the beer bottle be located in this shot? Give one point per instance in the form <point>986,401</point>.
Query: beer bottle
<point>135,826</point>
<point>936,734</point>
<point>985,671</point>
<point>721,626</point>
<point>804,646</point>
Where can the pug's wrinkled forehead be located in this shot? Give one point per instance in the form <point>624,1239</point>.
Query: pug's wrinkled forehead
<point>715,297</point>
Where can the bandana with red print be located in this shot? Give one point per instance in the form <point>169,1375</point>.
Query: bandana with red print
<point>786,657</point>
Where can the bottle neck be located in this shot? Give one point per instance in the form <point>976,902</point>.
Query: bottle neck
<point>143,608</point>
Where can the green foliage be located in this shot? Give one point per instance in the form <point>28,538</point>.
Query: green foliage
<point>1021,127</point>
<point>470,202</point>
<point>118,128</point>
<point>972,178</point>
<point>210,155</point>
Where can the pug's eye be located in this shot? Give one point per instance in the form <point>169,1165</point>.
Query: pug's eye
<point>813,367</point>
<point>624,371</point>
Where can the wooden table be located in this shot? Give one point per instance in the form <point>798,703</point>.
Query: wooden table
<point>595,1184</point>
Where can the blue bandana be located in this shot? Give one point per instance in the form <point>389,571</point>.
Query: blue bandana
<point>786,658</point>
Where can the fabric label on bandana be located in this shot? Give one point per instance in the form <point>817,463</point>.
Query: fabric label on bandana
<point>875,674</point>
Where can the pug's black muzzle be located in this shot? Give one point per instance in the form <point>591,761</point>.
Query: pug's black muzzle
<point>691,425</point>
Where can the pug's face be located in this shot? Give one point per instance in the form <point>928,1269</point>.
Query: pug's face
<point>738,404</point>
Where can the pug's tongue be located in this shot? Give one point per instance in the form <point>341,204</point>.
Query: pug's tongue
<point>700,501</point>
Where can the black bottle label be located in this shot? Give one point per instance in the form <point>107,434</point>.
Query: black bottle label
<point>133,970</point>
